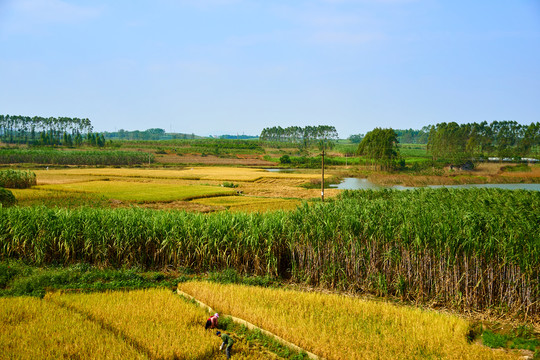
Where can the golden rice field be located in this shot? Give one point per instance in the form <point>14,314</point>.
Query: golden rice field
<point>34,329</point>
<point>340,327</point>
<point>36,194</point>
<point>172,189</point>
<point>189,173</point>
<point>138,191</point>
<point>144,324</point>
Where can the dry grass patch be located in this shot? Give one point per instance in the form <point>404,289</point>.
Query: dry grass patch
<point>341,327</point>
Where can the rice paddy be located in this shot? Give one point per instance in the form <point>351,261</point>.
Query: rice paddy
<point>156,323</point>
<point>34,329</point>
<point>141,192</point>
<point>144,324</point>
<point>470,250</point>
<point>173,189</point>
<point>188,173</point>
<point>338,327</point>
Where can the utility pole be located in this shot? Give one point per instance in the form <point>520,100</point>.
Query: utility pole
<point>322,176</point>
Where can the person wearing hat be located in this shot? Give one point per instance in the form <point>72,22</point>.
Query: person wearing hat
<point>227,341</point>
<point>212,322</point>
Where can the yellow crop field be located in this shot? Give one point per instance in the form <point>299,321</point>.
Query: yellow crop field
<point>340,327</point>
<point>138,191</point>
<point>265,190</point>
<point>35,194</point>
<point>189,173</point>
<point>33,329</point>
<point>157,322</point>
<point>250,203</point>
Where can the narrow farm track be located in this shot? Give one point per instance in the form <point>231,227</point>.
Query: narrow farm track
<point>252,327</point>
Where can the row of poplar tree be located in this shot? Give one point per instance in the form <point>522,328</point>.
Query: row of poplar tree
<point>37,130</point>
<point>503,139</point>
<point>299,135</point>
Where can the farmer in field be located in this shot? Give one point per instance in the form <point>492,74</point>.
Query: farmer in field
<point>212,322</point>
<point>227,341</point>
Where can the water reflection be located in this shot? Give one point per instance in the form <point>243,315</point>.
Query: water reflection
<point>364,184</point>
<point>356,184</point>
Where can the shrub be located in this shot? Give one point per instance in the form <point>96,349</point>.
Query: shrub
<point>16,179</point>
<point>285,159</point>
<point>7,198</point>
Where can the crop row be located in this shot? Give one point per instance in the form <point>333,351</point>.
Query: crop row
<point>74,157</point>
<point>470,248</point>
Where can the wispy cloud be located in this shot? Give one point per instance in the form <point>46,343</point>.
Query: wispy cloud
<point>53,11</point>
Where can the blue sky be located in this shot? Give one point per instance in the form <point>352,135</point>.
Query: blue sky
<point>213,67</point>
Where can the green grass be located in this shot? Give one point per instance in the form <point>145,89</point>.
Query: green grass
<point>142,192</point>
<point>413,152</point>
<point>517,168</point>
<point>510,341</point>
<point>20,279</point>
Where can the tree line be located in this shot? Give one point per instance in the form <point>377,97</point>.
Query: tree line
<point>407,136</point>
<point>154,134</point>
<point>504,139</point>
<point>303,136</point>
<point>457,144</point>
<point>380,145</point>
<point>37,130</point>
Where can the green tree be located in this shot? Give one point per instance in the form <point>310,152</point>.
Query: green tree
<point>380,145</point>
<point>356,138</point>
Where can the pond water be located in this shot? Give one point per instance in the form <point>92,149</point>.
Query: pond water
<point>280,170</point>
<point>363,184</point>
